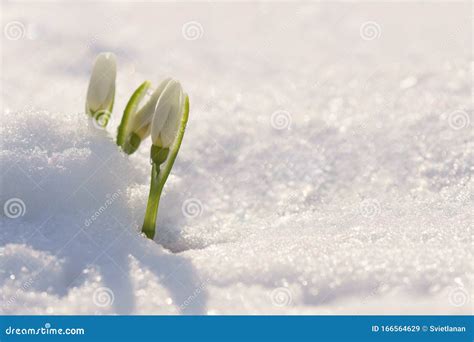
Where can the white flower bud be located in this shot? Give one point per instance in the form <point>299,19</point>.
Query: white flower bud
<point>101,91</point>
<point>141,120</point>
<point>168,111</point>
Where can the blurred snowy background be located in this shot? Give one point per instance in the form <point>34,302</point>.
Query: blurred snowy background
<point>326,168</point>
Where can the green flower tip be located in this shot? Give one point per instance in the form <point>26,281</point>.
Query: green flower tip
<point>158,154</point>
<point>131,144</point>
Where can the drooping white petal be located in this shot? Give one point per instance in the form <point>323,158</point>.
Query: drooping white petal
<point>169,101</point>
<point>170,128</point>
<point>142,118</point>
<point>101,91</point>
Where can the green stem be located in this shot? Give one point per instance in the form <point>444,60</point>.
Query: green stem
<point>159,177</point>
<point>153,202</point>
<point>130,109</point>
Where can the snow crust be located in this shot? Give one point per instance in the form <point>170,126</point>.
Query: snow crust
<point>321,173</point>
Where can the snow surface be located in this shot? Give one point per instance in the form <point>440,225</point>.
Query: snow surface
<point>326,169</point>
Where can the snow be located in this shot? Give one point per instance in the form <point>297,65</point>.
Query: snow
<point>326,168</point>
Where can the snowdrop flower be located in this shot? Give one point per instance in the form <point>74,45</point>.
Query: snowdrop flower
<point>164,115</point>
<point>101,91</point>
<point>140,121</point>
<point>168,112</point>
<point>167,131</point>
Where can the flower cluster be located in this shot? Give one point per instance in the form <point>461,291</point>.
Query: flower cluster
<point>163,115</point>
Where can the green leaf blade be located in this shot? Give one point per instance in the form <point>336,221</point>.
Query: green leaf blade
<point>130,109</point>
